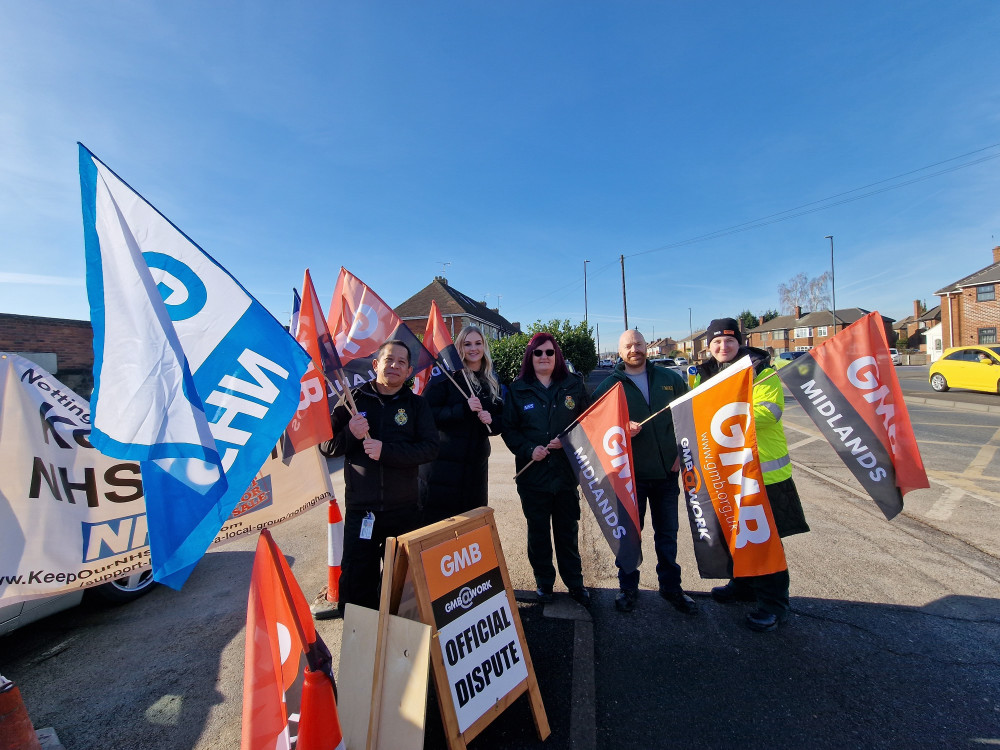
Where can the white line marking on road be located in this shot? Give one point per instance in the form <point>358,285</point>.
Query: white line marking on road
<point>945,506</point>
<point>805,441</point>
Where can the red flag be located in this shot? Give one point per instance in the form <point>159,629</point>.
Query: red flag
<point>600,448</point>
<point>311,423</point>
<point>281,639</point>
<point>438,342</point>
<point>361,322</point>
<point>848,386</point>
<point>731,522</point>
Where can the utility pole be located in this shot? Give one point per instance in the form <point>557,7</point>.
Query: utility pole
<point>624,298</point>
<point>586,323</point>
<point>833,285</point>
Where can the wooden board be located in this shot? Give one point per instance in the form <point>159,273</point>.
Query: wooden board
<point>404,682</point>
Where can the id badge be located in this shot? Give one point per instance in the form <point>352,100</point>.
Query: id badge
<point>367,524</point>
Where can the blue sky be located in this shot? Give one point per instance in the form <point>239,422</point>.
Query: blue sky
<point>513,140</point>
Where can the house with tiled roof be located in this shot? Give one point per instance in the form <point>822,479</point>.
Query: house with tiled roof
<point>694,345</point>
<point>661,347</point>
<point>458,310</point>
<point>970,310</point>
<point>913,328</point>
<point>801,332</point>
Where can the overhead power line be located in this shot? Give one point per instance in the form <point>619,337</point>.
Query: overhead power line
<point>839,199</point>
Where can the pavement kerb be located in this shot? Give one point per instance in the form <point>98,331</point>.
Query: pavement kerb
<point>944,403</point>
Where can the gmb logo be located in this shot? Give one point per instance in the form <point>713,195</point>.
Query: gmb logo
<point>183,292</point>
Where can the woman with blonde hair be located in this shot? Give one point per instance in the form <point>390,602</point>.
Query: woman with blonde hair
<point>457,480</point>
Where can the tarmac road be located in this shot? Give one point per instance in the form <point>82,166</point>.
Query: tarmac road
<point>894,640</point>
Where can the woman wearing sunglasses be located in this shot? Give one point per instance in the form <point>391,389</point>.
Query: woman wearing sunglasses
<point>457,479</point>
<point>543,401</point>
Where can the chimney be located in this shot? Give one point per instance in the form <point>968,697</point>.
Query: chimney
<point>996,254</point>
<point>442,279</point>
<point>916,307</point>
<point>760,320</point>
<point>798,311</point>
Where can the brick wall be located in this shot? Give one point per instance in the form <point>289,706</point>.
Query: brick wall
<point>72,341</point>
<point>976,315</point>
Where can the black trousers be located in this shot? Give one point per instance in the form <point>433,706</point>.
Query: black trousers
<point>560,512</point>
<point>361,565</point>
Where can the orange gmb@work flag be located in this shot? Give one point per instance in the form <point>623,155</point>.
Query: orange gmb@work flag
<point>848,387</point>
<point>600,450</point>
<point>730,516</point>
<point>281,644</point>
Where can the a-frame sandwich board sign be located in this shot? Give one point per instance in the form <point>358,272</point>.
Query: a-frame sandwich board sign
<point>456,574</point>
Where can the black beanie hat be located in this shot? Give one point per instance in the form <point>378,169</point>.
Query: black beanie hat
<point>724,327</point>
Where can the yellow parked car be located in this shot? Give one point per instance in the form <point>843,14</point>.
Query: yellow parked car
<point>976,368</point>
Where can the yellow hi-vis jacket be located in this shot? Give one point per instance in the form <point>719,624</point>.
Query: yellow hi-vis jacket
<point>768,406</point>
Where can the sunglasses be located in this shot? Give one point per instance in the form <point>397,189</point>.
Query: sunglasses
<point>546,352</point>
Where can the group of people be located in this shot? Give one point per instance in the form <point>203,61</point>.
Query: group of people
<point>414,460</point>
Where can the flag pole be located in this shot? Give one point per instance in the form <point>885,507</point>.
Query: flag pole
<point>654,415</point>
<point>352,408</point>
<point>773,374</point>
<point>471,391</point>
<point>568,427</point>
<point>286,593</point>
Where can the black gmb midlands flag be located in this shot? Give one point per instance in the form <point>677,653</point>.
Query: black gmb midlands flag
<point>600,449</point>
<point>848,387</point>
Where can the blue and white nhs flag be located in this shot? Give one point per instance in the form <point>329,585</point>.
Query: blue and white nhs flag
<point>193,377</point>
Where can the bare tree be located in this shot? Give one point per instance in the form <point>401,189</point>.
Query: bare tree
<point>802,291</point>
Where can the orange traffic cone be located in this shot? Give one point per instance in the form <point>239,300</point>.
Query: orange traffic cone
<point>16,731</point>
<point>324,606</point>
<point>335,549</point>
<point>319,724</point>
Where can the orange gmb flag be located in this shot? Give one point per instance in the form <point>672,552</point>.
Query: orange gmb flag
<point>848,387</point>
<point>600,450</point>
<point>284,653</point>
<point>360,323</point>
<point>730,516</point>
<point>311,423</point>
<point>438,342</point>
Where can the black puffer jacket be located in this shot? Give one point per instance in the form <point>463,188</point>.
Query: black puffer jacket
<point>532,416</point>
<point>405,425</point>
<point>457,480</point>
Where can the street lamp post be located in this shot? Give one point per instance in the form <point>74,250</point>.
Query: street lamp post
<point>586,323</point>
<point>833,285</point>
<point>624,299</point>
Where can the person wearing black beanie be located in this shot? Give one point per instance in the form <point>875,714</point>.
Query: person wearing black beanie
<point>770,592</point>
<point>724,327</point>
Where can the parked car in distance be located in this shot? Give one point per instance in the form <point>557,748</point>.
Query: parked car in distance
<point>976,368</point>
<point>119,591</point>
<point>781,360</point>
<point>896,359</point>
<point>681,360</point>
<point>606,363</point>
<point>664,361</point>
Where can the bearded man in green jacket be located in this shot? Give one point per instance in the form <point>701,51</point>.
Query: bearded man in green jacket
<point>648,389</point>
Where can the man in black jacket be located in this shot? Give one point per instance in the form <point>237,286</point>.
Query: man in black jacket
<point>648,389</point>
<point>383,446</point>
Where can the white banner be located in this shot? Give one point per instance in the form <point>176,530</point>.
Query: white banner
<point>71,517</point>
